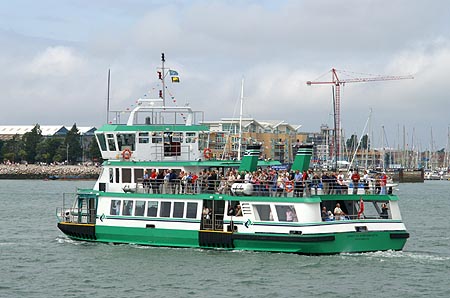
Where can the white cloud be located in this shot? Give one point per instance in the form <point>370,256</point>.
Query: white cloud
<point>56,61</point>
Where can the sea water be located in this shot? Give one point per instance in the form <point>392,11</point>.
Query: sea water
<point>37,260</point>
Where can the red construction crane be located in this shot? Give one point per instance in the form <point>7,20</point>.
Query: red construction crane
<point>336,82</point>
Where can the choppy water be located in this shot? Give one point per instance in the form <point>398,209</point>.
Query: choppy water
<point>36,260</point>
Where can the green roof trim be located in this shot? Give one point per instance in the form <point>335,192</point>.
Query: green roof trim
<point>176,164</point>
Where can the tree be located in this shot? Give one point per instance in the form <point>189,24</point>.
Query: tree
<point>352,143</point>
<point>12,148</point>
<point>94,151</point>
<point>30,142</point>
<point>72,145</point>
<point>48,148</point>
<point>365,142</point>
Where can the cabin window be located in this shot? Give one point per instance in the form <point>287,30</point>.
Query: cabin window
<point>126,141</point>
<point>127,207</point>
<point>156,137</point>
<point>178,209</point>
<point>191,210</point>
<point>111,142</point>
<point>286,213</point>
<point>263,212</point>
<point>117,175</point>
<point>139,208</point>
<point>138,174</point>
<point>190,137</point>
<point>102,141</point>
<point>144,138</point>
<point>115,207</point>
<point>126,175</point>
<point>152,209</point>
<point>177,137</point>
<point>165,209</point>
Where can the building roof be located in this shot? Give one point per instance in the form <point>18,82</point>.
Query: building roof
<point>8,131</point>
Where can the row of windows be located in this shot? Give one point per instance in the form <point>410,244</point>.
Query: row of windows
<point>263,212</point>
<point>127,140</point>
<point>154,208</point>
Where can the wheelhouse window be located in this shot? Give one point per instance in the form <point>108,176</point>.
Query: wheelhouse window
<point>102,141</point>
<point>126,141</point>
<point>190,137</point>
<point>178,209</point>
<point>165,209</point>
<point>286,213</point>
<point>191,210</point>
<point>263,212</point>
<point>157,137</point>
<point>115,207</point>
<point>152,209</point>
<point>127,207</point>
<point>111,142</point>
<point>139,208</point>
<point>144,138</point>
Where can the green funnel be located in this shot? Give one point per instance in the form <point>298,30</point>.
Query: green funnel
<point>302,158</point>
<point>250,159</point>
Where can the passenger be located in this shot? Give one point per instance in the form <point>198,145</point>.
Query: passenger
<point>206,213</point>
<point>383,182</point>
<point>146,181</point>
<point>324,213</point>
<point>238,210</point>
<point>355,179</point>
<point>384,211</point>
<point>338,213</point>
<point>289,215</point>
<point>298,184</point>
<point>330,216</point>
<point>366,180</point>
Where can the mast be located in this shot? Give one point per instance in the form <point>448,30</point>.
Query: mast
<point>163,59</point>
<point>107,98</point>
<point>240,119</point>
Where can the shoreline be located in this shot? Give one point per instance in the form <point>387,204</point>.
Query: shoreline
<point>65,172</point>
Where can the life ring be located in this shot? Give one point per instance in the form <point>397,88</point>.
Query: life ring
<point>126,154</point>
<point>207,153</point>
<point>288,186</point>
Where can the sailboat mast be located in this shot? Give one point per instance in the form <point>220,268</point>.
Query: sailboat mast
<point>240,120</point>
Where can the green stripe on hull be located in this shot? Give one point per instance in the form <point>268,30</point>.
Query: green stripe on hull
<point>303,244</point>
<point>147,236</point>
<point>342,243</point>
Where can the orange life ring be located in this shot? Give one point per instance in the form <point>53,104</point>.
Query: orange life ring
<point>207,153</point>
<point>289,187</point>
<point>126,154</point>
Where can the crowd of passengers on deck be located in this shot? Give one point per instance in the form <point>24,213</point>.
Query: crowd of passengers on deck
<point>265,182</point>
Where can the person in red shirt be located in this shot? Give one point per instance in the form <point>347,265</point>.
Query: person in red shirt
<point>355,179</point>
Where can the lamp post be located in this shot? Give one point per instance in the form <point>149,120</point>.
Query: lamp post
<point>67,154</point>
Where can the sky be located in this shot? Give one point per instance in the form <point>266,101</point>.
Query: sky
<point>55,56</point>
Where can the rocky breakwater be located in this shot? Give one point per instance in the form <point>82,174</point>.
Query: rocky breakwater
<point>21,171</point>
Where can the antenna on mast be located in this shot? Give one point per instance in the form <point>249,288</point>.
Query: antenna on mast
<point>163,59</point>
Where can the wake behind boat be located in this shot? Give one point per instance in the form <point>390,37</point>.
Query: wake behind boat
<point>161,186</point>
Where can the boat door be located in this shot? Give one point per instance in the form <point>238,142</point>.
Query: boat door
<point>87,208</point>
<point>212,215</point>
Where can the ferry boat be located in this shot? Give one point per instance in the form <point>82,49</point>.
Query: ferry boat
<point>185,207</point>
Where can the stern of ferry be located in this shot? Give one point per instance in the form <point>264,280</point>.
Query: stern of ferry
<point>76,218</point>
